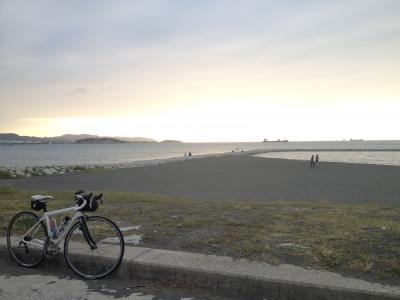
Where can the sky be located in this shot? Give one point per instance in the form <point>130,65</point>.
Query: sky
<point>201,71</point>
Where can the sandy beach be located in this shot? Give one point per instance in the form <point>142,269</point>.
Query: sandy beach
<point>237,177</point>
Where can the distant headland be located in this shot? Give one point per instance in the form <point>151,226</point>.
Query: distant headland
<point>171,141</point>
<point>71,139</point>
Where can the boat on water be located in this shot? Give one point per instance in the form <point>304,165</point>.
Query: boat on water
<point>276,141</point>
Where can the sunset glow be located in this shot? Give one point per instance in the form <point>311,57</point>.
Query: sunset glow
<point>201,71</point>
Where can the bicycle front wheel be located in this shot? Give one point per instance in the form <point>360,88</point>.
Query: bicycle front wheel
<point>93,249</point>
<point>26,238</point>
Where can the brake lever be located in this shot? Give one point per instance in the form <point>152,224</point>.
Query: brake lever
<point>101,198</point>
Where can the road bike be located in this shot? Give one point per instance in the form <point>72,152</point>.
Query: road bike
<point>93,245</point>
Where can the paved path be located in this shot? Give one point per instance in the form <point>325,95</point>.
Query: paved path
<point>239,177</point>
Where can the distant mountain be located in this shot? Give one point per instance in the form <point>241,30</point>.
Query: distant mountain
<point>71,138</point>
<point>138,139</point>
<point>67,138</point>
<point>99,140</point>
<point>12,137</point>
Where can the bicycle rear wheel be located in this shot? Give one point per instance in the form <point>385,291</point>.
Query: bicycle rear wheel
<point>24,242</point>
<point>94,253</point>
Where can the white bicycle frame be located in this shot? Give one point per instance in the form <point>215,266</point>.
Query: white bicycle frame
<point>46,217</point>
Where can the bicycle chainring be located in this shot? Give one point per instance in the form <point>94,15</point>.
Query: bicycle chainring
<point>50,249</point>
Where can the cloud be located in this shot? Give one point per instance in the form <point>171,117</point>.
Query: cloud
<point>76,92</point>
<point>149,56</point>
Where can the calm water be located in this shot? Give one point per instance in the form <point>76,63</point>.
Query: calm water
<point>362,157</point>
<point>24,155</point>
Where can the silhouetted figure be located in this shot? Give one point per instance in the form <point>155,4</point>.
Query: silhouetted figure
<point>312,163</point>
<point>190,154</point>
<point>316,160</point>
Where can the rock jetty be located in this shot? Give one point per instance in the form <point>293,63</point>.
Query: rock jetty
<point>15,172</point>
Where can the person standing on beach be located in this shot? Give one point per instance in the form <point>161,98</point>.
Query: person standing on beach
<point>312,163</point>
<point>316,160</point>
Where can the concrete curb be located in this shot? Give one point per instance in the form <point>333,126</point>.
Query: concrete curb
<point>242,278</point>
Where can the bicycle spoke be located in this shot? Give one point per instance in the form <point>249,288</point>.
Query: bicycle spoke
<point>104,258</point>
<point>26,252</point>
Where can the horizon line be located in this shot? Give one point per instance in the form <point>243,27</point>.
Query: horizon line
<point>228,141</point>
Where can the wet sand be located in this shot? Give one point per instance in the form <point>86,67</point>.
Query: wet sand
<point>237,177</point>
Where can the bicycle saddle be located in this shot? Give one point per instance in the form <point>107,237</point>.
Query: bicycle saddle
<point>41,198</point>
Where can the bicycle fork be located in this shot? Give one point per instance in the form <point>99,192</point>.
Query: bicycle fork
<point>85,231</point>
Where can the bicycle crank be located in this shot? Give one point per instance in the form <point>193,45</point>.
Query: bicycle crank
<point>50,249</point>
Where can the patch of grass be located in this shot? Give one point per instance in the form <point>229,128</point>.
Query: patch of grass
<point>328,256</point>
<point>362,239</point>
<point>7,190</point>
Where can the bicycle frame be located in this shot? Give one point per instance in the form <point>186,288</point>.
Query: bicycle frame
<point>46,219</point>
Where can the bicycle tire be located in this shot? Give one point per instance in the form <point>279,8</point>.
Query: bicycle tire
<point>27,256</point>
<point>94,263</point>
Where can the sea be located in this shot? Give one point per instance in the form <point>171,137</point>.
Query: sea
<point>40,155</point>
